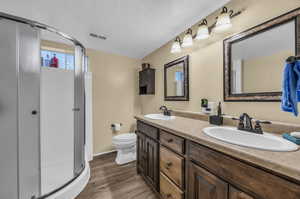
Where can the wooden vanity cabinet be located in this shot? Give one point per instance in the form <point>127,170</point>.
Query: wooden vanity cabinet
<point>204,185</point>
<point>141,153</point>
<point>152,162</point>
<point>172,142</point>
<point>148,154</point>
<point>260,183</point>
<point>168,190</point>
<point>172,165</point>
<point>237,194</point>
<point>179,168</point>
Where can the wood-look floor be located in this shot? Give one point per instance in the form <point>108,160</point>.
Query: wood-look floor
<point>111,181</point>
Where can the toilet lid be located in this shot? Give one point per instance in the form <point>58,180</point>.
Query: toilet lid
<point>125,137</point>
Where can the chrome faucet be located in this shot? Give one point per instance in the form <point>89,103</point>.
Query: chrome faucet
<point>165,110</point>
<point>247,120</point>
<point>245,124</point>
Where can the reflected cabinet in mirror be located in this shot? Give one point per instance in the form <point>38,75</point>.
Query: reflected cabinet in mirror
<point>254,60</point>
<point>176,74</point>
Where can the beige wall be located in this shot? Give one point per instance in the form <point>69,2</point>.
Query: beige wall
<point>115,93</point>
<point>267,71</point>
<point>206,65</point>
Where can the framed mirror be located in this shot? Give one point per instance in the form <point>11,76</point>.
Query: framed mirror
<point>176,80</point>
<point>254,59</point>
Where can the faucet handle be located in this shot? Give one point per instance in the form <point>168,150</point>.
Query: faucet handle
<point>262,122</point>
<point>162,107</point>
<point>241,122</point>
<point>258,128</point>
<point>235,118</point>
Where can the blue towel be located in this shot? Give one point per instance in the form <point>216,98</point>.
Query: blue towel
<point>297,71</point>
<point>287,136</point>
<point>291,86</point>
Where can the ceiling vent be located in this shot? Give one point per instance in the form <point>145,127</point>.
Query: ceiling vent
<point>98,36</point>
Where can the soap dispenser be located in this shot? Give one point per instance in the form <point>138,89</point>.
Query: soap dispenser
<point>217,119</point>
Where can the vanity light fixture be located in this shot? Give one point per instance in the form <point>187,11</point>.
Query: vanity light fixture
<point>223,20</point>
<point>203,32</point>
<point>176,48</point>
<point>188,39</point>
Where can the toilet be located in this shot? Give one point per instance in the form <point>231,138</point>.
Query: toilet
<point>126,147</point>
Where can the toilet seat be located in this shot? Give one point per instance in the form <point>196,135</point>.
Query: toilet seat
<point>126,137</point>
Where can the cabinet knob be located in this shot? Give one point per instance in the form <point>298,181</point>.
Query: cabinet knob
<point>243,196</point>
<point>168,165</point>
<point>169,195</point>
<point>170,140</point>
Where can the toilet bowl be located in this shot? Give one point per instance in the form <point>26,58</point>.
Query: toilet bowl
<point>126,147</point>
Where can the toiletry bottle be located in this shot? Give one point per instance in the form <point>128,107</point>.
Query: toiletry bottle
<point>219,110</point>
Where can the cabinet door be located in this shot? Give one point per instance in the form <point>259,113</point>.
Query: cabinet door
<point>141,154</point>
<point>152,162</point>
<point>204,185</point>
<point>237,194</point>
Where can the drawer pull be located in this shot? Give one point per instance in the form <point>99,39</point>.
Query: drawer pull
<point>170,140</point>
<point>242,196</point>
<point>169,165</point>
<point>167,195</point>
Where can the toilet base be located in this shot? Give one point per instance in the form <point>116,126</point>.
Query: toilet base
<point>125,156</point>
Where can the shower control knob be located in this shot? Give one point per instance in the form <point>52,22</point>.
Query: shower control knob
<point>34,112</point>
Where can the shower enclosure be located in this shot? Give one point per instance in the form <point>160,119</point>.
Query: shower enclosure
<point>42,128</point>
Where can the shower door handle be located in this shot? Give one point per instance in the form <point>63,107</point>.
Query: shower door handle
<point>76,109</point>
<point>34,112</point>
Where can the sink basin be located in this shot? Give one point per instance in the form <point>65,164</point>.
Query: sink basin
<point>159,117</point>
<point>264,141</point>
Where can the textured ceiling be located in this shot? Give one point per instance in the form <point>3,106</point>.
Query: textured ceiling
<point>133,28</point>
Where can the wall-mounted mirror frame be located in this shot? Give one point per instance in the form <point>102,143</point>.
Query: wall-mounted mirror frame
<point>227,56</point>
<point>185,62</point>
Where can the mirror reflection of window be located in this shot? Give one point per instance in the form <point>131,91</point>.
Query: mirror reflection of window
<point>258,61</point>
<point>175,80</point>
<point>179,83</point>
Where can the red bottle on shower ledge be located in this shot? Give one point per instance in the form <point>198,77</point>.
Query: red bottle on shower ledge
<point>54,62</point>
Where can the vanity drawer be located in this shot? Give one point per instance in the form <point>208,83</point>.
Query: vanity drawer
<point>237,194</point>
<point>147,130</point>
<point>171,165</point>
<point>172,141</point>
<point>250,178</point>
<point>168,190</point>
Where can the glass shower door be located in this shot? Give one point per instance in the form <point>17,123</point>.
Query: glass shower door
<point>41,112</point>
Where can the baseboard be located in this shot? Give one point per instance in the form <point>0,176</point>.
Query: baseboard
<point>104,153</point>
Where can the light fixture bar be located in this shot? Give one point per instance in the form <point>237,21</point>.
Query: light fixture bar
<point>214,24</point>
<point>223,22</point>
